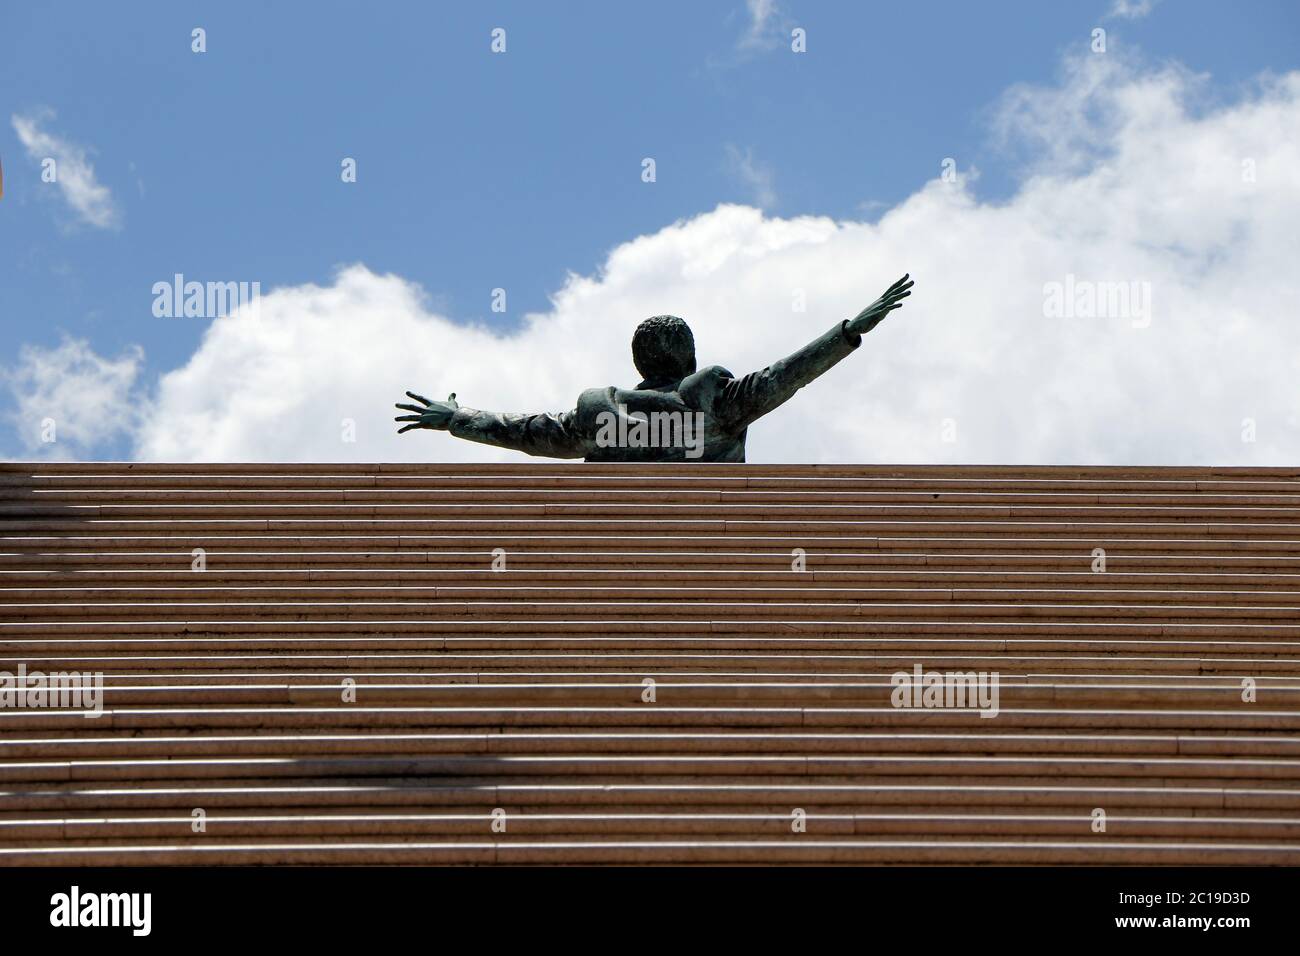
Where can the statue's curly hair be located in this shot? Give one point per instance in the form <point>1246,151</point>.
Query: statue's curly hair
<point>663,349</point>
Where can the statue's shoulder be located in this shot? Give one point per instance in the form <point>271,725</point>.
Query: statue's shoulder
<point>710,373</point>
<point>593,400</point>
<point>699,388</point>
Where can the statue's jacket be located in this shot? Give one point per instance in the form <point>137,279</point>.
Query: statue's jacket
<point>703,417</point>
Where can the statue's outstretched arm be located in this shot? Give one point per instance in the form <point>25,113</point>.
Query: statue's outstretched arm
<point>550,435</point>
<point>744,400</point>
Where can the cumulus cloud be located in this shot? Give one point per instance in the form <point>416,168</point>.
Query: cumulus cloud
<point>89,199</point>
<point>68,400</point>
<point>1190,207</point>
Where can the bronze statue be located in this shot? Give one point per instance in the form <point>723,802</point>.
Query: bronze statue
<point>675,414</point>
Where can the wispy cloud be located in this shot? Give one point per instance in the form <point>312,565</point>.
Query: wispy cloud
<point>756,176</point>
<point>89,199</point>
<point>1131,9</point>
<point>760,32</point>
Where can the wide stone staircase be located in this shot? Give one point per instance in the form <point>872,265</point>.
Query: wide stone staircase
<point>543,663</point>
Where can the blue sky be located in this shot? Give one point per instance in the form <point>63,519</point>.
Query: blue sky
<point>478,171</point>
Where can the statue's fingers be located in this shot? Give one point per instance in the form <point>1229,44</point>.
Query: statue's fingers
<point>418,398</point>
<point>411,408</point>
<point>407,428</point>
<point>408,418</point>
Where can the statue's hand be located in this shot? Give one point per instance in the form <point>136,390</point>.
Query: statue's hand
<point>435,415</point>
<point>874,314</point>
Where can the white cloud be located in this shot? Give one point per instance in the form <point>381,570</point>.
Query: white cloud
<point>757,177</point>
<point>75,175</point>
<point>759,33</point>
<point>87,399</point>
<point>1166,200</point>
<point>1131,9</point>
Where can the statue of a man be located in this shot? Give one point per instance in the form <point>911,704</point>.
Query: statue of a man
<point>675,414</point>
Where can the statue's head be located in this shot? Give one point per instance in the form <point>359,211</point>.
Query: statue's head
<point>663,349</point>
